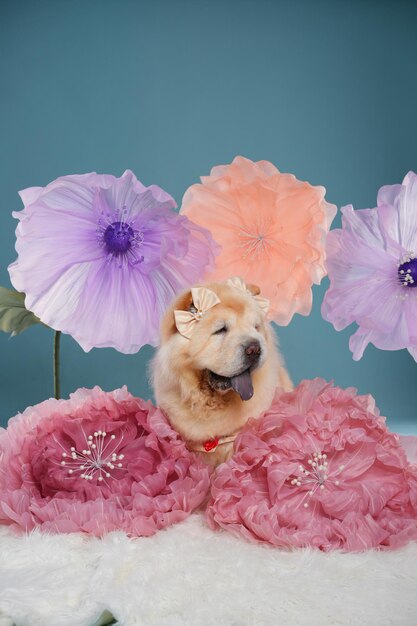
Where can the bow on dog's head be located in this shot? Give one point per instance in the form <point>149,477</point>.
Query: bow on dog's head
<point>203,299</point>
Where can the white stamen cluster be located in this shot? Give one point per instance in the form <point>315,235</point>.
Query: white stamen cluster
<point>95,459</point>
<point>410,255</point>
<point>316,474</point>
<point>406,277</point>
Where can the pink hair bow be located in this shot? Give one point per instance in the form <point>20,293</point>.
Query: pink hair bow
<point>237,282</point>
<point>203,300</point>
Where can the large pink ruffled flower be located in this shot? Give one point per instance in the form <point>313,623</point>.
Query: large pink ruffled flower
<point>272,229</point>
<point>95,463</point>
<point>318,469</point>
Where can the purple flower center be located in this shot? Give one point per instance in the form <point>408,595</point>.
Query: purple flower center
<point>118,237</point>
<point>407,273</point>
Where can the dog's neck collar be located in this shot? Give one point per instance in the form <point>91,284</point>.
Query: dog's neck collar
<point>211,444</point>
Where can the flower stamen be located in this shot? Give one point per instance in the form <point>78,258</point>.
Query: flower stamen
<point>315,475</point>
<point>407,270</point>
<point>254,244</point>
<point>92,460</point>
<point>119,238</point>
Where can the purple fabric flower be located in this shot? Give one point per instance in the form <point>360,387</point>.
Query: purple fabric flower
<point>372,268</point>
<point>100,258</point>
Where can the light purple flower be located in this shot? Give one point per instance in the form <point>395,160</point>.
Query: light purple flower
<point>372,267</point>
<point>100,258</point>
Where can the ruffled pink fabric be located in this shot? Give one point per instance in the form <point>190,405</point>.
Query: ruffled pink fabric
<point>95,463</point>
<point>362,494</point>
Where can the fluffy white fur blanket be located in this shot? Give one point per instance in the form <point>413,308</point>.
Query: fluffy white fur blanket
<point>188,575</point>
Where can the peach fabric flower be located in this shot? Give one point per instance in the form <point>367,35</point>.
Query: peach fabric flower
<point>272,229</point>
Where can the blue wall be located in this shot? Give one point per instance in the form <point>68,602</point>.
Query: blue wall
<point>326,90</point>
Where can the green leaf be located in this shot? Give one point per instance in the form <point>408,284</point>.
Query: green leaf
<point>105,618</point>
<point>14,317</point>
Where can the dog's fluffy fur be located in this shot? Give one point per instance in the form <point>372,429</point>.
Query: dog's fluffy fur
<point>196,405</point>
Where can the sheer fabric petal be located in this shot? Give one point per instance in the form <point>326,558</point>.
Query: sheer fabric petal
<point>271,228</point>
<point>364,259</point>
<point>79,278</point>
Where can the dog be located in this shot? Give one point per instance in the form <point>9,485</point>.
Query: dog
<point>218,364</point>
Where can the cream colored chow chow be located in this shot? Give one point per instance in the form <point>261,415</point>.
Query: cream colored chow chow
<point>217,367</point>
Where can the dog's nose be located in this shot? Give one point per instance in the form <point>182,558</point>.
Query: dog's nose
<point>253,350</point>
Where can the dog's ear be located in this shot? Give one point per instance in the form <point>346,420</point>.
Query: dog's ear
<point>254,289</point>
<point>181,303</point>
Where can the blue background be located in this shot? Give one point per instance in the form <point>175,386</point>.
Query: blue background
<point>326,90</point>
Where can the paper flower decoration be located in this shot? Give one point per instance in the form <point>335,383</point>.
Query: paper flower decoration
<point>100,258</point>
<point>319,469</point>
<point>95,463</point>
<point>271,227</point>
<point>372,267</point>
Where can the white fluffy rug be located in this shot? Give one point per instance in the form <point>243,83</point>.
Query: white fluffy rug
<point>189,575</point>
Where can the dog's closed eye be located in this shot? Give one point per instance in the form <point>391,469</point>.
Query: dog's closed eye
<point>221,330</point>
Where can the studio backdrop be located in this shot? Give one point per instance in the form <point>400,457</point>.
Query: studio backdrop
<point>169,89</point>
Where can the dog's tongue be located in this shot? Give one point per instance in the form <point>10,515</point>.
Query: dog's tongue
<point>242,384</point>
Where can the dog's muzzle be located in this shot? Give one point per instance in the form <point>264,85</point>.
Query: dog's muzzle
<point>242,381</point>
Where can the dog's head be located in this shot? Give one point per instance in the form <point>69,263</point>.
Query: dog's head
<point>219,331</point>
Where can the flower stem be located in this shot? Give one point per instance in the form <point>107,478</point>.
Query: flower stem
<point>57,385</point>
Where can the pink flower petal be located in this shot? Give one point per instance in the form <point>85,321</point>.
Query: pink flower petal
<point>319,469</point>
<point>95,463</point>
